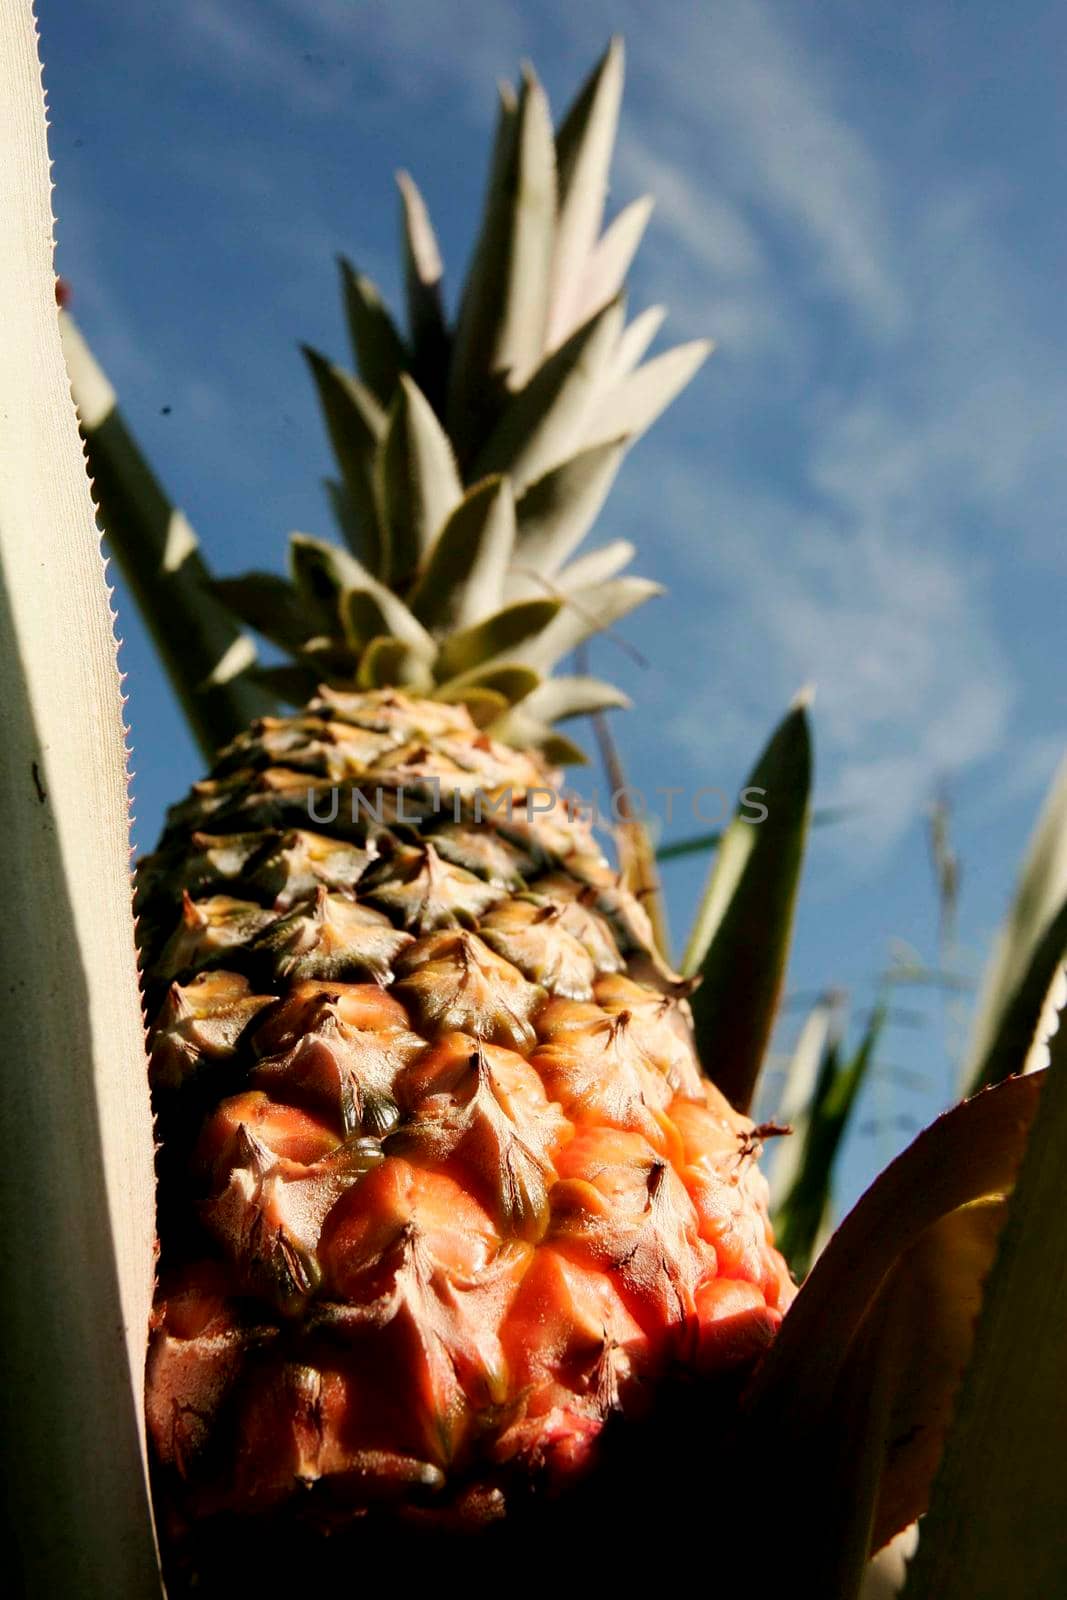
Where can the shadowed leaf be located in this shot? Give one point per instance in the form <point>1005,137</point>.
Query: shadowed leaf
<point>740,940</point>
<point>1029,954</point>
<point>379,349</point>
<point>464,577</point>
<point>419,485</point>
<point>355,423</point>
<point>423,274</point>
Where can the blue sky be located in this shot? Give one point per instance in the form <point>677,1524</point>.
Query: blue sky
<point>864,488</point>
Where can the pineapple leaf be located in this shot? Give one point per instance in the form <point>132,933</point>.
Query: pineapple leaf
<point>634,404</point>
<point>378,348</point>
<point>556,512</point>
<point>584,146</point>
<point>819,1038</point>
<point>635,339</point>
<point>269,604</point>
<point>355,423</point>
<point>321,573</point>
<point>389,661</point>
<point>532,733</point>
<point>464,576</point>
<point>538,426</point>
<point>585,612</point>
<point>805,1204</point>
<point>606,270</point>
<point>205,654</point>
<point>860,1327</point>
<point>596,566</point>
<point>504,633</point>
<point>372,609</point>
<point>501,326</point>
<point>509,680</point>
<point>344,514</point>
<point>995,1525</point>
<point>77,1258</point>
<point>1028,958</point>
<point>740,940</point>
<point>560,698</point>
<point>423,274</point>
<point>419,485</point>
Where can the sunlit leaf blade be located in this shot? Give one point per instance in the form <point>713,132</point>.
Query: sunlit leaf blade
<point>819,1038</point>
<point>585,612</point>
<point>1029,953</point>
<point>423,275</point>
<point>996,1522</point>
<point>606,269</point>
<point>633,405</point>
<point>378,348</point>
<point>205,654</point>
<point>856,1328</point>
<point>740,939</point>
<point>584,148</point>
<point>76,1266</point>
<point>557,511</point>
<point>505,633</point>
<point>418,483</point>
<point>595,567</point>
<point>464,576</point>
<point>578,696</point>
<point>501,325</point>
<point>633,343</point>
<point>538,426</point>
<point>355,423</point>
<point>804,1205</point>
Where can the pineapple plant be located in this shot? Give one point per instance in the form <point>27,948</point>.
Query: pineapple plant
<point>448,1213</point>
<point>442,1186</point>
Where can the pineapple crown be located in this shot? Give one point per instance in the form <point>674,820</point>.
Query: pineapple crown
<point>474,456</point>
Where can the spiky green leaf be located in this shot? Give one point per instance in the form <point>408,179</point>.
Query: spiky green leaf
<point>584,148</point>
<point>740,939</point>
<point>633,405</point>
<point>378,348</point>
<point>500,330</point>
<point>579,696</point>
<point>423,276</point>
<point>388,661</point>
<point>538,426</point>
<point>1029,955</point>
<point>585,612</point>
<point>556,512</point>
<point>418,483</point>
<point>463,578</point>
<point>269,604</point>
<point>355,423</point>
<point>803,1210</point>
<point>508,680</point>
<point>505,633</point>
<point>606,269</point>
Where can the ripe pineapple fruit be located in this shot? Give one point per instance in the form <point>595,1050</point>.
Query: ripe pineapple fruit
<point>442,1186</point>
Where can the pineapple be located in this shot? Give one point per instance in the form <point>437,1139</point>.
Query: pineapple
<point>442,1187</point>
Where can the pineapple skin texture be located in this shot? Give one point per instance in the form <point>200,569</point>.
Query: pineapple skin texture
<point>442,1188</point>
